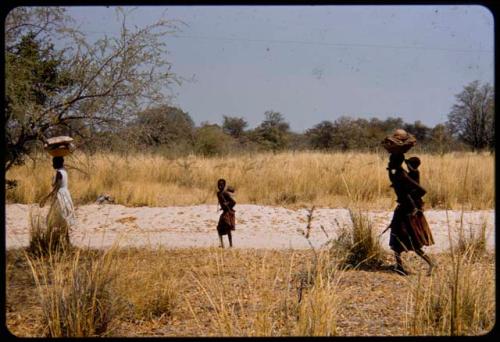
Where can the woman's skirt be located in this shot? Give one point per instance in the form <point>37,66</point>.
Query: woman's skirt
<point>227,222</point>
<point>409,232</point>
<point>62,211</point>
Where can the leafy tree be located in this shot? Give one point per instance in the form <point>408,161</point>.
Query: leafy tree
<point>347,133</point>
<point>297,141</point>
<point>164,125</point>
<point>322,135</point>
<point>32,75</point>
<point>211,140</point>
<point>472,118</point>
<point>441,139</point>
<point>97,84</point>
<point>421,132</point>
<point>272,133</point>
<point>41,21</point>
<point>375,131</point>
<point>390,124</point>
<point>234,126</point>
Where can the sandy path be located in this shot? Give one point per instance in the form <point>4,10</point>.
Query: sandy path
<point>256,226</point>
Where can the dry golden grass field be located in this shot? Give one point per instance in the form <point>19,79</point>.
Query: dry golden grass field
<point>455,180</point>
<point>215,292</point>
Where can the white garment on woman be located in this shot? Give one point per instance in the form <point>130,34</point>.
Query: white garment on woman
<point>63,201</point>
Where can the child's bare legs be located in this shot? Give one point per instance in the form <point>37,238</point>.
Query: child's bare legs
<point>230,239</point>
<point>221,241</point>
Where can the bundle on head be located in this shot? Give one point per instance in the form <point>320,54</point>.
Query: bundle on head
<point>59,146</point>
<point>399,142</point>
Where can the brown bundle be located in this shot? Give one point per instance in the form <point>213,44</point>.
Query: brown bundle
<point>399,142</point>
<point>59,146</point>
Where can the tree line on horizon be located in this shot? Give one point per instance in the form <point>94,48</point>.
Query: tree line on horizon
<point>111,94</point>
<point>171,130</point>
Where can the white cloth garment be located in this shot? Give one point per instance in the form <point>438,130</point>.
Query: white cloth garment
<point>62,203</point>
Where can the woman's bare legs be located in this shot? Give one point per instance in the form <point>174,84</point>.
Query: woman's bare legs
<point>399,264</point>
<point>428,260</point>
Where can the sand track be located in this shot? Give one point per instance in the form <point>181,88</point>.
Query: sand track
<point>256,226</point>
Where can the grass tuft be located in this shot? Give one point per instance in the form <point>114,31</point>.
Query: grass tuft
<point>74,292</point>
<point>358,246</point>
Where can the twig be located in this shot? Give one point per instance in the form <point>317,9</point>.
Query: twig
<point>309,221</point>
<point>308,229</point>
<point>77,169</point>
<point>324,231</point>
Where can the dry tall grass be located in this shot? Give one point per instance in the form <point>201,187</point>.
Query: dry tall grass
<point>73,290</point>
<point>43,238</point>
<point>267,301</point>
<point>215,292</point>
<point>472,241</point>
<point>358,246</point>
<point>47,234</point>
<point>321,306</point>
<point>146,285</point>
<point>291,179</point>
<point>458,299</point>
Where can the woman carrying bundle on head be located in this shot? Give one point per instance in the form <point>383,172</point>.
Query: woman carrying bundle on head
<point>227,221</point>
<point>61,216</point>
<point>409,228</point>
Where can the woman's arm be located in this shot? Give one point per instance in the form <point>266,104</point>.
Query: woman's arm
<point>413,193</point>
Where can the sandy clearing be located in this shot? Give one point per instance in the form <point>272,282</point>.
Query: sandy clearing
<point>257,226</point>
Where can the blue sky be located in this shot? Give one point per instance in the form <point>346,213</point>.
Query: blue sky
<point>315,63</point>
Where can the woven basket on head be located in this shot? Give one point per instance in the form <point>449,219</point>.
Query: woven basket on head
<point>59,146</point>
<point>399,142</point>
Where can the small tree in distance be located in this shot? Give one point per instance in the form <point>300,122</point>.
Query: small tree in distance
<point>234,126</point>
<point>272,133</point>
<point>164,125</point>
<point>210,140</point>
<point>322,135</point>
<point>472,118</point>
